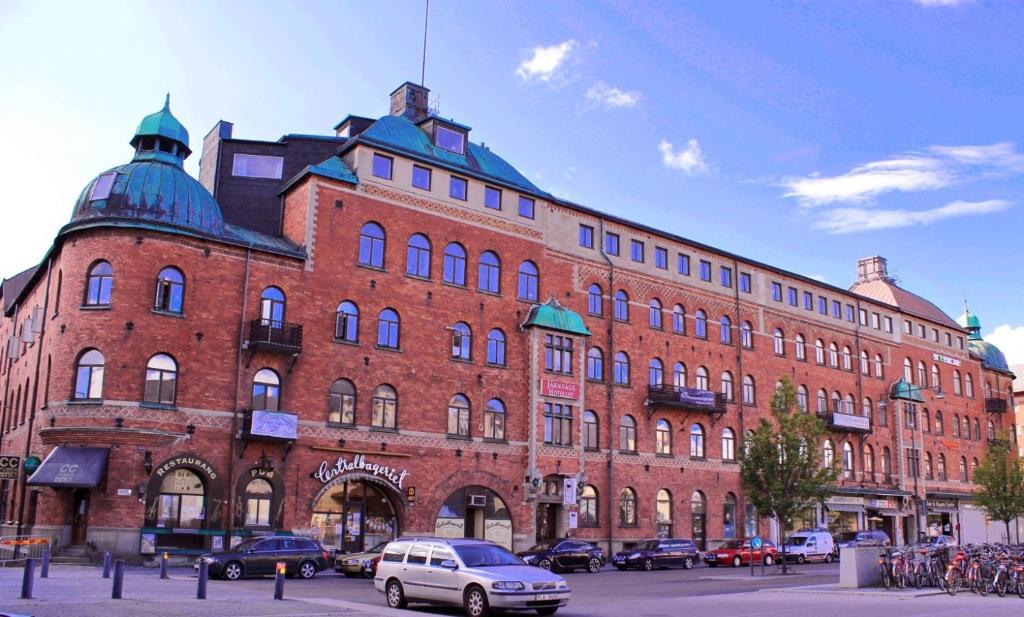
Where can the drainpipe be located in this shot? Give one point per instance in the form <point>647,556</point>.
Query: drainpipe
<point>229,528</point>
<point>739,367</point>
<point>611,390</point>
<point>7,381</point>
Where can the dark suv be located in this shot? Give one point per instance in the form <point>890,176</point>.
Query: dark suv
<point>259,556</point>
<point>658,553</point>
<point>865,537</point>
<point>559,555</point>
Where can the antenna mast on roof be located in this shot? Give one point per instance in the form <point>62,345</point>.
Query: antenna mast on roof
<point>423,69</point>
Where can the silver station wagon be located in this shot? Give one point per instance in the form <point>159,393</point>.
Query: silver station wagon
<point>477,575</point>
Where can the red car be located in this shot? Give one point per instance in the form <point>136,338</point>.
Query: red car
<point>737,553</point>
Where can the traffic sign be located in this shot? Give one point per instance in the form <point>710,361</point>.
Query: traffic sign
<point>756,542</point>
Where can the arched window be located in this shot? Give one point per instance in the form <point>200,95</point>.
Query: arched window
<point>963,469</point>
<point>935,377</point>
<point>627,434</point>
<point>458,416</point>
<point>258,496</point>
<point>729,516</point>
<point>272,305</point>
<point>371,246</point>
<point>679,375</point>
<point>869,462</point>
<point>987,389</point>
<point>941,471</point>
<point>161,380</point>
<point>384,407</point>
<point>800,347</point>
<point>728,444</point>
<point>595,303</point>
<point>341,404</point>
<point>837,404</point>
<point>182,501</point>
<point>749,520</point>
<point>957,383</point>
<point>528,278</point>
<point>922,377</point>
<point>595,364</point>
<point>865,407</point>
<point>847,359</point>
<point>98,284</point>
<point>974,467</point>
<point>908,370</point>
<point>926,424</point>
<point>462,341</point>
<point>346,322</point>
<point>801,398</point>
<point>656,372</point>
<point>747,335</point>
<point>703,383</point>
<point>966,433</point>
<point>679,319</point>
<point>939,430</point>
<point>588,506</point>
<point>878,366</point>
<point>266,390</point>
<point>663,438</point>
<point>696,441</point>
<point>725,329</point>
<point>388,328</point>
<point>956,425</point>
<point>822,401</point>
<point>779,342</point>
<point>698,511</point>
<point>654,314</point>
<point>969,385</point>
<point>886,463</point>
<point>89,375</point>
<point>865,367</point>
<point>991,430</point>
<point>627,507</point>
<point>590,430</point>
<point>496,347</point>
<point>848,405</point>
<point>663,509</point>
<point>489,272</point>
<point>833,355</point>
<point>749,392</point>
<point>170,291</point>
<point>494,420</point>
<point>847,460</point>
<point>454,264</point>
<point>929,467</point>
<point>417,262</point>
<point>621,376</point>
<point>819,351</point>
<point>621,306</point>
<point>828,452</point>
<point>727,385</point>
<point>700,324</point>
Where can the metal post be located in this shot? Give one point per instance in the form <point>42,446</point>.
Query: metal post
<point>44,571</point>
<point>279,573</point>
<point>204,574</point>
<point>163,564</point>
<point>115,592</point>
<point>106,564</point>
<point>27,578</point>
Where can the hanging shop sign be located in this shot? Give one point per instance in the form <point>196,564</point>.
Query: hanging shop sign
<point>559,389</point>
<point>569,491</point>
<point>329,471</point>
<point>31,464</point>
<point>274,424</point>
<point>886,504</point>
<point>842,500</point>
<point>9,467</point>
<point>945,359</point>
<point>189,462</point>
<point>694,396</point>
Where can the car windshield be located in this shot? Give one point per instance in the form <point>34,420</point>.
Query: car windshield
<point>543,546</point>
<point>649,545</point>
<point>846,536</point>
<point>936,540</point>
<point>379,547</point>
<point>796,540</point>
<point>479,555</point>
<point>245,545</point>
<point>731,544</point>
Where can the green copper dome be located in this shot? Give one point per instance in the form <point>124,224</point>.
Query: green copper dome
<point>989,354</point>
<point>165,127</point>
<point>554,316</point>
<point>969,320</point>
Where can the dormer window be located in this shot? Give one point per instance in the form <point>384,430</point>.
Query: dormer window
<point>450,140</point>
<point>101,190</point>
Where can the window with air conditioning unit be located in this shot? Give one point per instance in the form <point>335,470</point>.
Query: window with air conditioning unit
<point>477,501</point>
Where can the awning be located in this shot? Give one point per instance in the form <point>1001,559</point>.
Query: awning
<point>845,507</point>
<point>67,467</point>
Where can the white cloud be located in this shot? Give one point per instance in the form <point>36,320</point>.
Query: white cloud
<point>610,96</point>
<point>850,220</point>
<point>690,159</point>
<point>545,62</point>
<point>1001,155</point>
<point>1010,341</point>
<point>930,3</point>
<point>819,277</point>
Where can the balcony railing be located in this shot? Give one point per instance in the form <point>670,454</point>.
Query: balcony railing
<point>996,405</point>
<point>690,399</point>
<point>845,422</point>
<point>275,336</point>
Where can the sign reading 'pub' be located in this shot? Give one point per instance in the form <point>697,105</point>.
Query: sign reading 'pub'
<point>328,472</point>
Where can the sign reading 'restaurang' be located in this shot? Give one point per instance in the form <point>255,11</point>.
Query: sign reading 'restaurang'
<point>328,472</point>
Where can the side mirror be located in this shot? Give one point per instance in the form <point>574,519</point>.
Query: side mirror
<point>450,564</point>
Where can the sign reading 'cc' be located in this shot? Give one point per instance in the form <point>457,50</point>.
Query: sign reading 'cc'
<point>9,467</point>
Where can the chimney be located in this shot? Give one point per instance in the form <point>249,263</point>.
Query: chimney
<point>411,101</point>
<point>872,269</point>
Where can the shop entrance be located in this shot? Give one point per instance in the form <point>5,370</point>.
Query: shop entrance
<point>355,516</point>
<point>79,515</point>
<point>547,521</point>
<point>475,512</point>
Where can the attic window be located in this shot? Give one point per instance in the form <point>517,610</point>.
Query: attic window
<point>450,140</point>
<point>257,166</point>
<point>101,190</point>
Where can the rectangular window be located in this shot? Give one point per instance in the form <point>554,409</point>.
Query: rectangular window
<point>875,321</point>
<point>705,270</point>
<point>823,305</point>
<point>745,285</point>
<point>586,236</point>
<point>611,243</point>
<point>725,277</point>
<point>558,354</point>
<point>259,166</point>
<point>492,198</point>
<point>557,424</point>
<point>850,313</point>
<point>421,177</point>
<point>863,317</point>
<point>661,258</point>
<point>908,328</point>
<point>792,296</point>
<point>683,264</point>
<point>921,330</point>
<point>452,141</point>
<point>960,342</point>
<point>837,309</point>
<point>935,335</point>
<point>777,291</point>
<point>636,251</point>
<point>888,324</point>
<point>525,207</point>
<point>101,190</point>
<point>808,301</point>
<point>949,340</point>
<point>457,188</point>
<point>382,166</point>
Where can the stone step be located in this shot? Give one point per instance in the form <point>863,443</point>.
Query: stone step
<point>65,560</point>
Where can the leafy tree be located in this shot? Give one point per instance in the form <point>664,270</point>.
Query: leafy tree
<point>781,468</point>
<point>1000,477</point>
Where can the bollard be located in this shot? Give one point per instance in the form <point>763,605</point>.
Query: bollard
<point>204,573</point>
<point>163,565</point>
<point>26,578</point>
<point>106,564</point>
<point>279,573</point>
<point>115,592</point>
<point>44,571</point>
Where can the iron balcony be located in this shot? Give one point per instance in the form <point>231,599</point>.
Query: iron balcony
<point>996,405</point>
<point>845,422</point>
<point>275,336</point>
<point>665,395</point>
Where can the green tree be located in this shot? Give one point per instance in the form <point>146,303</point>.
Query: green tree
<point>782,467</point>
<point>1000,477</point>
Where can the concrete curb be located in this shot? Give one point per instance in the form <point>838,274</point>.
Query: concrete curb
<point>830,589</point>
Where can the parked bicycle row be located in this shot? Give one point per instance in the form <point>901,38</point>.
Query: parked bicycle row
<point>978,568</point>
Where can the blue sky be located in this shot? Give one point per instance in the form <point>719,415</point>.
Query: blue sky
<point>802,134</point>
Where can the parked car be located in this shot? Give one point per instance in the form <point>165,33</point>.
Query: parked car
<point>864,537</point>
<point>475,574</point>
<point>360,564</point>
<point>739,552</point>
<point>810,545</point>
<point>559,555</point>
<point>658,553</point>
<point>259,556</point>
<point>941,541</point>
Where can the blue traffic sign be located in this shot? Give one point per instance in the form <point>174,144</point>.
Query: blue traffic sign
<point>756,542</point>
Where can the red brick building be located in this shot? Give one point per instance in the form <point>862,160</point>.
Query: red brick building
<point>429,343</point>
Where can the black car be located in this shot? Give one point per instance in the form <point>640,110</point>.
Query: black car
<point>564,555</point>
<point>864,537</point>
<point>658,553</point>
<point>259,556</point>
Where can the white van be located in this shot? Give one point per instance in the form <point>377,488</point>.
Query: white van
<point>808,546</point>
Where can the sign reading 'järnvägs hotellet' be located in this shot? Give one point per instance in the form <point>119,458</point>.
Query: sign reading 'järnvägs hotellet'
<point>328,472</point>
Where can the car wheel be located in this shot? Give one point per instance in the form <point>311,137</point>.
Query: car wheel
<point>768,560</point>
<point>544,563</point>
<point>547,611</point>
<point>476,602</point>
<point>800,559</point>
<point>394,594</point>
<point>713,564</point>
<point>620,568</point>
<point>232,571</point>
<point>688,563</point>
<point>594,565</point>
<point>648,564</point>
<point>828,557</point>
<point>307,569</point>
<point>736,561</point>
<point>368,572</point>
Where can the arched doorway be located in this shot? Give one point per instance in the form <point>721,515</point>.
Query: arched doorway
<point>698,508</point>
<point>475,512</point>
<point>184,502</point>
<point>354,515</point>
<point>549,523</point>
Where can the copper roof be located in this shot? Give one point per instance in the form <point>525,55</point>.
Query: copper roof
<point>889,293</point>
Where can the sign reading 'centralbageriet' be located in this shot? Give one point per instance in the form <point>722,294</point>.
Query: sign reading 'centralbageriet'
<point>328,472</point>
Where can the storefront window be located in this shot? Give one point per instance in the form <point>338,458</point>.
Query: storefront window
<point>182,501</point>
<point>588,507</point>
<point>258,497</point>
<point>664,513</point>
<point>475,512</point>
<point>698,530</point>
<point>729,516</point>
<point>749,520</point>
<point>354,516</point>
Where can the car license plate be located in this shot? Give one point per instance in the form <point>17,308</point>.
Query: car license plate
<point>547,596</point>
